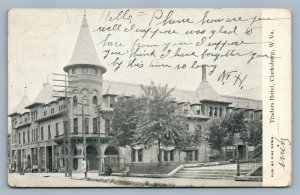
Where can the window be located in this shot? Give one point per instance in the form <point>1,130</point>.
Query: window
<point>32,136</point>
<point>74,101</point>
<point>140,155</point>
<point>95,101</point>
<point>216,112</point>
<point>23,137</point>
<point>49,132</point>
<point>172,155</point>
<point>85,100</point>
<point>94,125</point>
<point>45,110</point>
<point>107,126</point>
<point>28,136</point>
<point>75,120</point>
<point>19,138</point>
<point>210,111</point>
<point>86,125</point>
<point>42,133</point>
<point>56,129</point>
<point>121,99</point>
<point>133,159</point>
<point>166,155</point>
<point>220,112</point>
<point>198,109</point>
<point>185,108</point>
<point>52,110</point>
<point>112,101</point>
<point>251,115</point>
<point>34,115</point>
<point>196,155</point>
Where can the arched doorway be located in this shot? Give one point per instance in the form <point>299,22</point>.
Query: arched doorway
<point>111,157</point>
<point>75,159</point>
<point>91,155</point>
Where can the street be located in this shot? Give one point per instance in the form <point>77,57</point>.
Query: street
<point>58,180</point>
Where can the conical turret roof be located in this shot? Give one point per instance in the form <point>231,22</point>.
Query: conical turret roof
<point>85,52</point>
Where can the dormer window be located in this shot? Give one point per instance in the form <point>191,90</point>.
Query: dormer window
<point>185,108</point>
<point>198,111</point>
<point>112,101</point>
<point>210,111</point>
<point>216,112</point>
<point>45,110</point>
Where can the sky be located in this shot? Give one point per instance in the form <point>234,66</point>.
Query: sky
<point>41,42</point>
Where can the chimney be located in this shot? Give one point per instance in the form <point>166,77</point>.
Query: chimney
<point>204,73</point>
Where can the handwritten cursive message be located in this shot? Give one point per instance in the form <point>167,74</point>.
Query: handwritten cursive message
<point>171,39</point>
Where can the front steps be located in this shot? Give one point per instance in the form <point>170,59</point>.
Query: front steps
<point>212,172</point>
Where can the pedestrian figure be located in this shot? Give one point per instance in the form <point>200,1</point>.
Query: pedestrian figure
<point>126,171</point>
<point>108,171</point>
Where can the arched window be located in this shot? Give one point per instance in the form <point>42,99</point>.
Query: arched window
<point>95,101</point>
<point>220,112</point>
<point>85,100</point>
<point>74,101</point>
<point>210,111</point>
<point>216,112</point>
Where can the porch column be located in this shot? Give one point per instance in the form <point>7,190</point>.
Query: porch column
<point>21,160</point>
<point>45,158</point>
<point>53,158</point>
<point>31,157</point>
<point>38,155</point>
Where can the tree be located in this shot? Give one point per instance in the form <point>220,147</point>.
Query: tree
<point>126,115</point>
<point>254,128</point>
<point>160,123</point>
<point>217,135</point>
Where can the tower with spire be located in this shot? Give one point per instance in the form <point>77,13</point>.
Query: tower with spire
<point>85,75</point>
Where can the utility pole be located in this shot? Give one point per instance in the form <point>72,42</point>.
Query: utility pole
<point>84,126</point>
<point>67,130</point>
<point>99,141</point>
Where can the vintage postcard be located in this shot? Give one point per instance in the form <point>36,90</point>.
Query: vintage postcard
<point>149,97</point>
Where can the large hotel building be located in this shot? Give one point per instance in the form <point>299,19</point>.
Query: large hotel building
<point>37,136</point>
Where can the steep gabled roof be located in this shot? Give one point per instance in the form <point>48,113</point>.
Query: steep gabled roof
<point>44,96</point>
<point>205,91</point>
<point>20,108</point>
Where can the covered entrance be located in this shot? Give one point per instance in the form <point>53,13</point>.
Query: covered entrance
<point>111,158</point>
<point>91,155</point>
